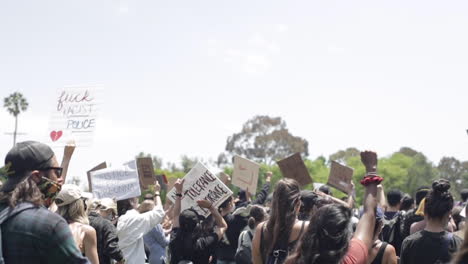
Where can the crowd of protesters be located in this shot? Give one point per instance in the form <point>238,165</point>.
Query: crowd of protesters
<point>44,220</point>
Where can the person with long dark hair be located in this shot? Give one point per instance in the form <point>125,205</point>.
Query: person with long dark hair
<point>329,238</point>
<point>275,238</point>
<point>433,244</point>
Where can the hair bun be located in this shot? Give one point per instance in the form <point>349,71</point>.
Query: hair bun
<point>441,186</point>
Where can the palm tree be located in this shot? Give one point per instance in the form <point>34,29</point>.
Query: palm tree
<point>15,104</point>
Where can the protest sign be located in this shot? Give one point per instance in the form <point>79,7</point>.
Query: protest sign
<point>201,184</point>
<point>341,177</point>
<point>101,166</point>
<point>74,116</point>
<point>117,182</point>
<point>146,172</point>
<point>245,175</point>
<point>293,167</point>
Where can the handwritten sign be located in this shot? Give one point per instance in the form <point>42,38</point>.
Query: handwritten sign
<point>74,116</point>
<point>146,172</point>
<point>101,166</point>
<point>293,167</point>
<point>119,183</point>
<point>245,175</point>
<point>341,177</point>
<point>201,184</point>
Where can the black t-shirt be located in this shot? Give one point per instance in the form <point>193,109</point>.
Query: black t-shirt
<point>198,250</point>
<point>429,247</point>
<point>227,247</point>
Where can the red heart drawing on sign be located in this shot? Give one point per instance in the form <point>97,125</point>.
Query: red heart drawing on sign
<point>55,135</point>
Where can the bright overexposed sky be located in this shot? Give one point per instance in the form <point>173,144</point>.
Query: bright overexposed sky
<point>179,77</point>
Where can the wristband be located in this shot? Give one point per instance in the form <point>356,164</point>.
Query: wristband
<point>156,194</point>
<point>371,179</point>
<point>178,195</point>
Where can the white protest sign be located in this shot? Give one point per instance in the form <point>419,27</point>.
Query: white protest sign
<point>74,116</point>
<point>245,175</point>
<point>201,184</point>
<point>116,182</point>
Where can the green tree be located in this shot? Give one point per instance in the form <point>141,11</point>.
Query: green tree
<point>455,172</point>
<point>342,156</point>
<point>15,104</point>
<point>264,139</point>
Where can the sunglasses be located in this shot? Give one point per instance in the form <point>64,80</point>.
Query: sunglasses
<point>58,170</point>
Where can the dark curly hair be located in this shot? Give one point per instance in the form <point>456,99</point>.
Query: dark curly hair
<point>439,201</point>
<point>326,240</point>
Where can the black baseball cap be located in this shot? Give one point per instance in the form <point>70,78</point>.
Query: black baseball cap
<point>23,157</point>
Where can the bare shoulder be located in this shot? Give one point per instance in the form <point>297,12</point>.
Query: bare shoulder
<point>89,230</point>
<point>390,255</point>
<point>298,225</point>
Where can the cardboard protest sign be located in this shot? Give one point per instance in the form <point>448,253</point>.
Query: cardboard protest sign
<point>293,167</point>
<point>201,184</point>
<point>74,116</point>
<point>146,172</point>
<point>245,175</point>
<point>117,182</point>
<point>98,167</point>
<point>341,177</point>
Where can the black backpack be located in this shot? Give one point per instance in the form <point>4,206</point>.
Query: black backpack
<point>392,231</point>
<point>244,252</point>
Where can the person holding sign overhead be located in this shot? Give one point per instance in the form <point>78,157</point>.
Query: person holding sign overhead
<point>186,244</point>
<point>132,226</point>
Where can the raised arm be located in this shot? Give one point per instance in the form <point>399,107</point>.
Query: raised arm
<point>157,194</point>
<point>367,222</point>
<point>333,199</point>
<point>381,198</point>
<point>263,194</point>
<point>178,185</point>
<point>219,220</point>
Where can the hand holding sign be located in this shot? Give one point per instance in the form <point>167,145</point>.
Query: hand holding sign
<point>268,175</point>
<point>157,187</point>
<point>179,185</point>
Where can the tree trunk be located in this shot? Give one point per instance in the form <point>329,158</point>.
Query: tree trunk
<point>14,133</point>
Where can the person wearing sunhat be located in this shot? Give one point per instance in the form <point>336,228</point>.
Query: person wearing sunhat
<point>31,233</point>
<point>72,207</point>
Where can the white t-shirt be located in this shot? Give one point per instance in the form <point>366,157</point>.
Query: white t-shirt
<point>130,229</point>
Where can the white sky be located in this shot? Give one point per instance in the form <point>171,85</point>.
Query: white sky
<point>182,76</point>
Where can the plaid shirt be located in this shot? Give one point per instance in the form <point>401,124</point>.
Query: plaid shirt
<point>38,236</point>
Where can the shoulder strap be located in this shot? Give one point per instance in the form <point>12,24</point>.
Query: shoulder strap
<point>250,234</point>
<point>302,228</point>
<point>7,213</point>
<point>379,258</point>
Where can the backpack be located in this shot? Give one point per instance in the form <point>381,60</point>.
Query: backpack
<point>392,231</point>
<point>244,251</point>
<point>5,214</point>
